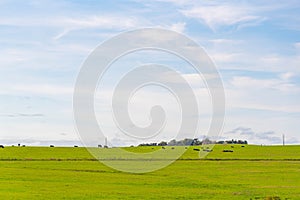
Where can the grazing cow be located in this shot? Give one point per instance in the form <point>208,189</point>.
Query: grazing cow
<point>163,147</point>
<point>242,146</point>
<point>232,146</point>
<point>1,146</point>
<point>75,146</point>
<point>173,148</point>
<point>196,149</point>
<point>225,150</point>
<point>51,145</point>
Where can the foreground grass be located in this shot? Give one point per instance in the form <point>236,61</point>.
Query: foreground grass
<point>184,179</point>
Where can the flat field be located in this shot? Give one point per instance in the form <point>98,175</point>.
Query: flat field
<point>249,172</point>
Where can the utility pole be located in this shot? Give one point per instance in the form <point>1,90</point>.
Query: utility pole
<point>283,142</point>
<point>106,142</point>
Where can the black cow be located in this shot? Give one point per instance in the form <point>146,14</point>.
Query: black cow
<point>1,146</point>
<point>226,150</point>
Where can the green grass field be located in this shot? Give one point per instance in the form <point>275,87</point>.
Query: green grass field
<point>250,172</point>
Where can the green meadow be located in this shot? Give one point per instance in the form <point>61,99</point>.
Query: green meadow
<point>249,172</point>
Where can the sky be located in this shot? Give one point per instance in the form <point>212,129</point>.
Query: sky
<point>255,46</point>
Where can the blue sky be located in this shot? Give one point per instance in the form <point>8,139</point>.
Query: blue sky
<point>254,44</point>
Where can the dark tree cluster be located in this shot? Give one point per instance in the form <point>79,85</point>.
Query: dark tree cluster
<point>184,142</point>
<point>233,142</point>
<point>148,144</point>
<point>193,142</point>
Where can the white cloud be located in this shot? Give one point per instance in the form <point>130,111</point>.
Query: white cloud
<point>234,57</point>
<point>88,21</point>
<point>177,2</point>
<point>277,95</point>
<point>39,89</point>
<point>54,56</point>
<point>103,22</point>
<point>297,45</point>
<point>62,34</point>
<point>68,24</point>
<point>257,137</point>
<point>287,76</point>
<point>222,15</point>
<point>98,21</point>
<point>178,27</point>
<point>276,62</point>
<point>222,41</point>
<point>224,57</point>
<point>269,84</point>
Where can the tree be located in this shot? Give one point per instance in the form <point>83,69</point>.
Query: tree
<point>162,143</point>
<point>172,143</point>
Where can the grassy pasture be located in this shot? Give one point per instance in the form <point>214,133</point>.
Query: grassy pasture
<point>250,172</point>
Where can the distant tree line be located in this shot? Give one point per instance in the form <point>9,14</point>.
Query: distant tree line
<point>233,142</point>
<point>193,142</point>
